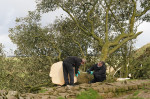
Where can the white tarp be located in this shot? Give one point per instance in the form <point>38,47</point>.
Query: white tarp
<point>56,73</point>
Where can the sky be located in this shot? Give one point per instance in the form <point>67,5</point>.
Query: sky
<point>10,9</point>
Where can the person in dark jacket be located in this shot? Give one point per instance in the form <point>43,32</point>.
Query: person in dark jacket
<point>99,72</point>
<point>68,64</point>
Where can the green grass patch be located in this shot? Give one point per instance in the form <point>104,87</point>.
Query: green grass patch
<point>136,93</point>
<point>43,90</point>
<point>61,98</point>
<point>89,94</point>
<point>132,97</point>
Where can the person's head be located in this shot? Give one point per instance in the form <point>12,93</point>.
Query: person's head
<point>83,61</point>
<point>101,63</point>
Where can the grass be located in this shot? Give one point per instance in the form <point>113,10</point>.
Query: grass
<point>136,93</point>
<point>43,90</point>
<point>89,94</point>
<point>132,97</point>
<point>61,98</point>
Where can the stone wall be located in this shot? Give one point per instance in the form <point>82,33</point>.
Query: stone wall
<point>107,90</point>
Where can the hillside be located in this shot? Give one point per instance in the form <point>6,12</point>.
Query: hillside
<point>141,50</point>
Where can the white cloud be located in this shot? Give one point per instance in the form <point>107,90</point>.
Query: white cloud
<point>48,18</point>
<point>7,44</point>
<point>144,38</point>
<point>10,9</point>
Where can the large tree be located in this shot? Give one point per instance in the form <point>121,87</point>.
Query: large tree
<point>111,23</point>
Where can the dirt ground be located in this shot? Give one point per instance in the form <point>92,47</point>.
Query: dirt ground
<point>137,94</point>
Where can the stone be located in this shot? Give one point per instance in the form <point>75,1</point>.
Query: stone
<point>53,97</point>
<point>95,88</point>
<point>63,94</point>
<point>82,90</point>
<point>113,89</point>
<point>3,92</point>
<point>62,89</point>
<point>140,86</point>
<point>101,90</point>
<point>46,93</point>
<point>106,89</point>
<point>50,89</point>
<point>29,95</point>
<point>76,92</point>
<point>69,91</point>
<point>94,84</point>
<point>45,97</point>
<point>70,96</point>
<point>13,93</point>
<point>110,95</point>
<point>11,97</point>
<point>1,97</point>
<point>130,87</point>
<point>55,93</point>
<point>103,95</point>
<point>84,86</point>
<point>75,87</point>
<point>135,87</point>
<point>19,98</point>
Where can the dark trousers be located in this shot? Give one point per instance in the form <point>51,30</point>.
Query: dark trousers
<point>100,79</point>
<point>68,69</point>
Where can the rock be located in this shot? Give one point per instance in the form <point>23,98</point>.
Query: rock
<point>29,96</point>
<point>3,93</point>
<point>106,89</point>
<point>84,86</point>
<point>103,95</point>
<point>82,90</point>
<point>75,88</point>
<point>135,87</point>
<point>68,87</point>
<point>11,97</point>
<point>63,94</point>
<point>70,96</point>
<point>45,97</point>
<point>101,90</point>
<point>113,89</point>
<point>50,89</point>
<point>53,97</point>
<point>76,92</point>
<point>19,98</point>
<point>62,89</point>
<point>95,88</point>
<point>55,93</point>
<point>13,93</point>
<point>94,84</point>
<point>110,95</point>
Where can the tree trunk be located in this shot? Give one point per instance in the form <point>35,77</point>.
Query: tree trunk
<point>104,52</point>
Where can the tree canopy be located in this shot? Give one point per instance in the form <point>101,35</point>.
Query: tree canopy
<point>111,23</point>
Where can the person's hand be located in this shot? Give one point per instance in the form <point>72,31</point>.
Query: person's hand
<point>78,72</point>
<point>76,75</point>
<point>91,72</point>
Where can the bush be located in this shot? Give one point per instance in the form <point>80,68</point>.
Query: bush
<point>24,74</point>
<point>141,66</point>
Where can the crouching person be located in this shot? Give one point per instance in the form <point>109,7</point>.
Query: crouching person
<point>99,72</point>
